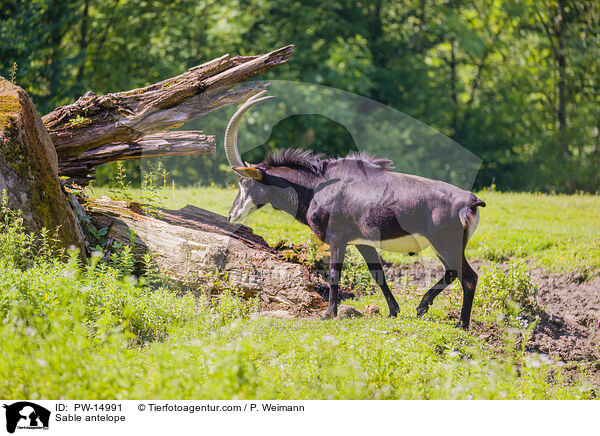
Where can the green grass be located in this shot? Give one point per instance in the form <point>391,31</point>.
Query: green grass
<point>92,334</point>
<point>556,232</point>
<point>94,331</point>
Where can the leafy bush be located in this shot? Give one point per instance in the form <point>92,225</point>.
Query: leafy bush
<point>355,274</point>
<point>223,300</point>
<point>96,297</point>
<point>310,252</point>
<point>120,189</point>
<point>154,186</point>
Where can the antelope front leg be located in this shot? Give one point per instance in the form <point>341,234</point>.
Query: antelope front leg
<point>336,262</point>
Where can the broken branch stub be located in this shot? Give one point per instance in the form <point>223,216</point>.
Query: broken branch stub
<point>174,143</point>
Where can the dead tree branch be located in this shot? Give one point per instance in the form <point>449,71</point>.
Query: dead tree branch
<point>83,130</point>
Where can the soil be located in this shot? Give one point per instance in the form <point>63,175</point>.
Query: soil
<point>569,328</point>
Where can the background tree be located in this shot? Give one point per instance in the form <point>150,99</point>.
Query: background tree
<point>514,82</point>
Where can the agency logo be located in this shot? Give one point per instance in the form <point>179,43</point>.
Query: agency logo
<point>26,415</point>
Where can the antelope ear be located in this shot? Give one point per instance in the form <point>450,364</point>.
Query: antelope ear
<point>254,173</point>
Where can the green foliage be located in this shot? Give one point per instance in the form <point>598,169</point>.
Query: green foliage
<point>21,248</point>
<point>98,233</point>
<point>355,274</point>
<point>123,260</point>
<point>78,121</point>
<point>154,185</point>
<point>95,331</point>
<point>122,183</point>
<point>310,252</point>
<point>12,75</point>
<point>36,288</point>
<point>38,36</point>
<point>222,299</point>
<point>350,64</point>
<point>510,81</point>
<point>510,290</point>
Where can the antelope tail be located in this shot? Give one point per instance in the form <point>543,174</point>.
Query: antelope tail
<point>468,213</point>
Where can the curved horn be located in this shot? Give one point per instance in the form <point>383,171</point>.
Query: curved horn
<point>231,134</point>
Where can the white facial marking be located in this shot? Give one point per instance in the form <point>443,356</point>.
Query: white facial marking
<point>246,208</point>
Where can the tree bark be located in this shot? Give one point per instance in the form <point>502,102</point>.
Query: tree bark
<point>29,169</point>
<point>561,59</point>
<point>83,40</point>
<point>96,121</point>
<point>555,29</point>
<point>453,91</point>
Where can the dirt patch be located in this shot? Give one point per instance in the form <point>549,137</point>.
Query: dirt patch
<point>569,327</point>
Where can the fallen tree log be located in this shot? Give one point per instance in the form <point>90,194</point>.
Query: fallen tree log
<point>185,244</point>
<point>97,121</point>
<point>72,140</point>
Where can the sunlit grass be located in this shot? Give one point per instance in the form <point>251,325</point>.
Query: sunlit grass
<point>88,350</point>
<point>557,232</point>
<point>96,332</point>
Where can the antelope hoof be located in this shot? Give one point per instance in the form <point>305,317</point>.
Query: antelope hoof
<point>462,325</point>
<point>393,314</point>
<point>328,315</point>
<point>422,310</point>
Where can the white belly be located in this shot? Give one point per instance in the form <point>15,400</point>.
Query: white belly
<point>405,244</point>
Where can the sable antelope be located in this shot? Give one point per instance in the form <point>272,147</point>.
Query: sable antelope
<point>357,200</point>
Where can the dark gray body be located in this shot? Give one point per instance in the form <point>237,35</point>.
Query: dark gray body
<point>367,202</point>
<point>359,201</point>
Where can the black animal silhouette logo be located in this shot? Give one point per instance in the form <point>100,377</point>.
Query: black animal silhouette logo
<point>26,415</point>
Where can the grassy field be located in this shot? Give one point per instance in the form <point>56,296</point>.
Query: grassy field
<point>95,331</point>
<point>557,232</point>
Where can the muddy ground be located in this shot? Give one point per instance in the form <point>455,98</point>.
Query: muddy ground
<point>569,328</point>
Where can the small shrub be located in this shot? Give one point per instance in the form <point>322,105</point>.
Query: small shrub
<point>224,300</point>
<point>508,290</point>
<point>154,186</point>
<point>122,184</point>
<point>21,248</point>
<point>355,274</point>
<point>311,252</point>
<point>12,74</point>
